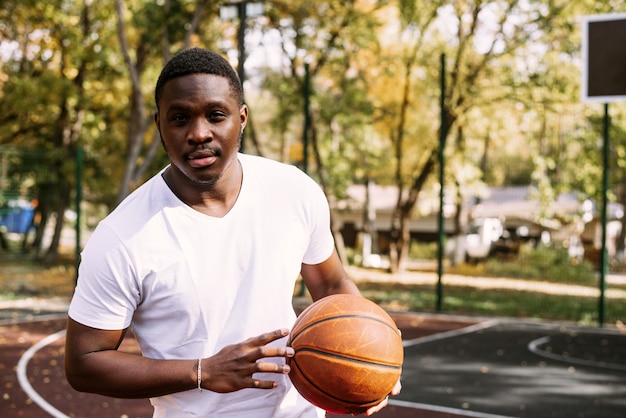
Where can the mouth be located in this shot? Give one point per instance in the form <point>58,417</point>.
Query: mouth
<point>202,158</point>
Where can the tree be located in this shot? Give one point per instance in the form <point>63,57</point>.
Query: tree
<point>485,35</point>
<point>337,40</point>
<point>415,21</point>
<point>44,96</point>
<point>82,73</point>
<point>151,24</point>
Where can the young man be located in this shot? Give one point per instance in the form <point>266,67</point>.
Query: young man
<point>201,263</point>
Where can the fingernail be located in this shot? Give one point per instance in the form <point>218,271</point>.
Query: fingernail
<point>290,352</point>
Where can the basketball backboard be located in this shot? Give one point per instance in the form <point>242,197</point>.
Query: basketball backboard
<point>604,58</point>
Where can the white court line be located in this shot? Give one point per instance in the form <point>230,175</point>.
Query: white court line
<point>443,409</point>
<point>533,347</point>
<point>30,391</point>
<point>453,333</point>
<point>23,378</point>
<point>440,336</point>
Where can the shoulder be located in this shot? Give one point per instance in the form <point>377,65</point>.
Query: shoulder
<point>279,180</point>
<point>256,161</point>
<point>265,169</point>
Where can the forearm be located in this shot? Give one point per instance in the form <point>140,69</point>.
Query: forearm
<point>327,278</point>
<point>125,375</point>
<point>94,364</point>
<point>345,285</point>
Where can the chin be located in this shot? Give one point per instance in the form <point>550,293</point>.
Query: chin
<point>204,181</point>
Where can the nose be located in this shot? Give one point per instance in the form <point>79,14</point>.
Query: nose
<point>199,131</point>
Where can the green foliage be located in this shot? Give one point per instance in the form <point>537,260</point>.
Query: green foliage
<point>334,38</point>
<point>509,170</point>
<point>423,251</point>
<point>512,88</point>
<point>543,263</point>
<point>470,300</point>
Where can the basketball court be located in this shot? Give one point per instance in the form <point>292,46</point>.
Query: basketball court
<point>454,367</point>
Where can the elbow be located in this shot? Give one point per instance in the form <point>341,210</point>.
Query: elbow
<point>79,381</point>
<point>74,380</point>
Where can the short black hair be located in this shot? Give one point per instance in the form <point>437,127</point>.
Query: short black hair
<point>198,61</point>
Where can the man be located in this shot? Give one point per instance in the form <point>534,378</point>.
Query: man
<point>201,263</point>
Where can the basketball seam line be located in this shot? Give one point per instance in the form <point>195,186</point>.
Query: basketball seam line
<point>339,356</point>
<point>330,395</point>
<point>293,337</point>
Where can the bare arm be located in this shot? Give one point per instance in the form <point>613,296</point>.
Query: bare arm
<point>327,278</point>
<point>93,364</point>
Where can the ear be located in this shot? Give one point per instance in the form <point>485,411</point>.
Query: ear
<point>243,116</point>
<point>157,120</point>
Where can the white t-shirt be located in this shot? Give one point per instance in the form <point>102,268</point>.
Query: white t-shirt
<point>189,284</point>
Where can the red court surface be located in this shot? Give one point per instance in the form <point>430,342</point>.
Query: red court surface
<point>44,372</point>
<point>455,367</point>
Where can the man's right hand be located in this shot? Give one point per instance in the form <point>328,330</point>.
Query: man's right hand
<point>234,366</point>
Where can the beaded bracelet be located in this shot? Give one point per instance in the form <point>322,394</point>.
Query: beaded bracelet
<point>199,375</point>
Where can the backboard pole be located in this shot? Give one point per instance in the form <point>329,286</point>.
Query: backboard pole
<point>442,146</point>
<point>605,187</point>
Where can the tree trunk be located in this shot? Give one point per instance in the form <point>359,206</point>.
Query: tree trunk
<point>400,232</point>
<point>42,216</point>
<point>369,245</point>
<point>63,202</point>
<point>321,173</point>
<point>138,122</point>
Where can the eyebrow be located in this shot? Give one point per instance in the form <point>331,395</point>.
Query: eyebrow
<point>182,106</point>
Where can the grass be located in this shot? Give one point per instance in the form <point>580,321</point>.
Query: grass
<point>468,300</point>
<point>541,263</point>
<point>20,277</point>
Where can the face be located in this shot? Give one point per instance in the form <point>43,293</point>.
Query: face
<point>200,123</point>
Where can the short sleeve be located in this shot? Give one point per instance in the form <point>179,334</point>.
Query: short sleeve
<point>107,293</point>
<point>321,242</point>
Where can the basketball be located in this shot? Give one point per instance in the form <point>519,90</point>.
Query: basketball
<point>348,354</point>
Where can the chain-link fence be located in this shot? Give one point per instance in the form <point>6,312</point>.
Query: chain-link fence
<point>21,170</point>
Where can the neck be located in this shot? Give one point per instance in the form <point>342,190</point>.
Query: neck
<point>214,199</point>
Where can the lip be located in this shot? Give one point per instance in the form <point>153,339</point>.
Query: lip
<point>201,158</point>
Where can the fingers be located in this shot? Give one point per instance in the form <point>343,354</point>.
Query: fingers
<point>262,384</point>
<point>269,367</point>
<point>264,350</point>
<point>268,337</point>
<point>396,389</point>
<point>377,408</point>
<point>394,392</point>
<point>240,363</point>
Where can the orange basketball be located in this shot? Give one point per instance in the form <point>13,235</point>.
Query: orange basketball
<point>348,354</point>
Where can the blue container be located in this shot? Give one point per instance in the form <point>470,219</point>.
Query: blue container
<point>17,220</point>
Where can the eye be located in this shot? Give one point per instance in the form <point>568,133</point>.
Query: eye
<point>178,118</point>
<point>216,116</point>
